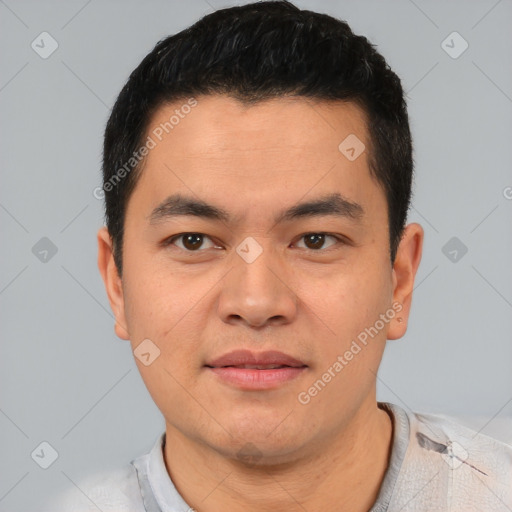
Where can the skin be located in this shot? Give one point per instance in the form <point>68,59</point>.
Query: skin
<point>332,453</point>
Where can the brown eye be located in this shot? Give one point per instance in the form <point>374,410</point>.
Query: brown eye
<point>190,242</point>
<point>315,241</point>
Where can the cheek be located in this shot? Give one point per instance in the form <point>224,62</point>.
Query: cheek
<point>347,302</point>
<point>168,307</point>
<point>156,299</point>
<point>349,349</point>
<point>349,352</point>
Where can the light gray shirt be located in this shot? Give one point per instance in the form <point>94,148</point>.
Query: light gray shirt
<point>436,465</point>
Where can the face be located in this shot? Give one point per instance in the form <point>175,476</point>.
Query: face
<point>286,249</point>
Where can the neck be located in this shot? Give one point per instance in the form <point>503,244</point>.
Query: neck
<point>343,472</point>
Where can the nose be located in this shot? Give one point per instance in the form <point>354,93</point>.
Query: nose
<point>258,293</point>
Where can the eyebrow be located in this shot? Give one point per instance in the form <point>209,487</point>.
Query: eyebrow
<point>332,204</point>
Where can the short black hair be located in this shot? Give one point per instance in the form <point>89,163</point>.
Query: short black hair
<point>255,52</point>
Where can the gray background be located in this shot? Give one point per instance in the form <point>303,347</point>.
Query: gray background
<point>66,378</point>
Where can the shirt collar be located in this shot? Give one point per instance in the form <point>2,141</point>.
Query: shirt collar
<point>163,488</point>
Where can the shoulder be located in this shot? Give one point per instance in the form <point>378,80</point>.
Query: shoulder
<point>461,467</point>
<point>116,490</point>
<point>465,443</point>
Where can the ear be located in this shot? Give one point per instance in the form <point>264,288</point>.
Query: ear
<point>112,281</point>
<point>406,264</point>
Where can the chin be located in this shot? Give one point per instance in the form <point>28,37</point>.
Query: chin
<point>258,447</point>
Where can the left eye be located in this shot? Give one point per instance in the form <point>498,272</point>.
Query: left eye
<point>315,241</point>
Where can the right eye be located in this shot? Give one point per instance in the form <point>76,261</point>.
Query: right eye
<point>190,242</point>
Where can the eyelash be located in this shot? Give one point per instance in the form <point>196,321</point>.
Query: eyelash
<point>170,241</point>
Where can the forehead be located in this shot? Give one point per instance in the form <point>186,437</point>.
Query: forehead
<point>220,124</point>
<point>277,150</point>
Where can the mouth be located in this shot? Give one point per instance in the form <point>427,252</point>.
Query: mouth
<point>255,360</point>
<point>256,371</point>
<point>256,366</point>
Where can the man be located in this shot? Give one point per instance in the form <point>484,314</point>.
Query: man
<point>257,177</point>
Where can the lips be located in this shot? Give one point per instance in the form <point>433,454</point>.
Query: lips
<point>245,359</point>
<point>251,371</point>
